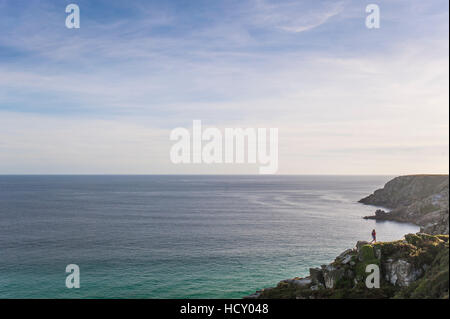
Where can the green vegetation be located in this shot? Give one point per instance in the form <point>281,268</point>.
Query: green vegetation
<point>366,257</point>
<point>424,261</point>
<point>435,282</point>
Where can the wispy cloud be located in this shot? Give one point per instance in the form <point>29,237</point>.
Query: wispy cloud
<point>310,68</point>
<point>296,16</point>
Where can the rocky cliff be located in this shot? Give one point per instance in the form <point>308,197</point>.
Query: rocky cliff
<point>414,267</point>
<point>419,199</point>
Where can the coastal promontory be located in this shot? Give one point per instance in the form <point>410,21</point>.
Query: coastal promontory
<point>416,266</point>
<point>417,199</point>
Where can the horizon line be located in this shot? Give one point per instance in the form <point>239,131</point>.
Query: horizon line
<point>119,174</point>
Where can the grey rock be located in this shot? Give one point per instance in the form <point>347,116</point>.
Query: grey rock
<point>316,275</point>
<point>377,251</point>
<point>346,256</point>
<point>400,272</point>
<point>302,282</point>
<point>347,259</point>
<point>332,275</point>
<point>315,287</point>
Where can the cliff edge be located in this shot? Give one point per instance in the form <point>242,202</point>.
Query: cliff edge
<point>414,267</point>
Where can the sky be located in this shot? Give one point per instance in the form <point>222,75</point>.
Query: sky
<point>103,99</point>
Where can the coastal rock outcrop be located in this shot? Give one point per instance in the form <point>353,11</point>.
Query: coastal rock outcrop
<point>419,199</point>
<point>406,266</point>
<point>416,266</point>
<point>316,276</point>
<point>332,274</point>
<point>400,272</point>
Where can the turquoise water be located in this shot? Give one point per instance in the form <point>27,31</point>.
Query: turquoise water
<point>176,236</point>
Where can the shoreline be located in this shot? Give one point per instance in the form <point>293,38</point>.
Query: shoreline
<point>398,274</point>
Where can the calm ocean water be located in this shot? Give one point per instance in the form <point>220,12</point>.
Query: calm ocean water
<point>176,236</point>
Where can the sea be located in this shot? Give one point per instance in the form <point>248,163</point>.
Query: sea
<point>177,236</point>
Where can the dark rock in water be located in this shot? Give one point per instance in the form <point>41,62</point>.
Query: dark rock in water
<point>379,215</point>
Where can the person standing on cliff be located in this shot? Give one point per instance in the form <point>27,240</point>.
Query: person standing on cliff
<point>374,236</point>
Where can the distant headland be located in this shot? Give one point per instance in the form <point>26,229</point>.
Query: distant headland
<point>417,199</point>
<point>416,266</point>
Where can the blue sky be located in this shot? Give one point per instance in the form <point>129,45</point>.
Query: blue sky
<point>103,98</point>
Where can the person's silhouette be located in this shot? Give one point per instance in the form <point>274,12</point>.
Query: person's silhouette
<point>374,236</point>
